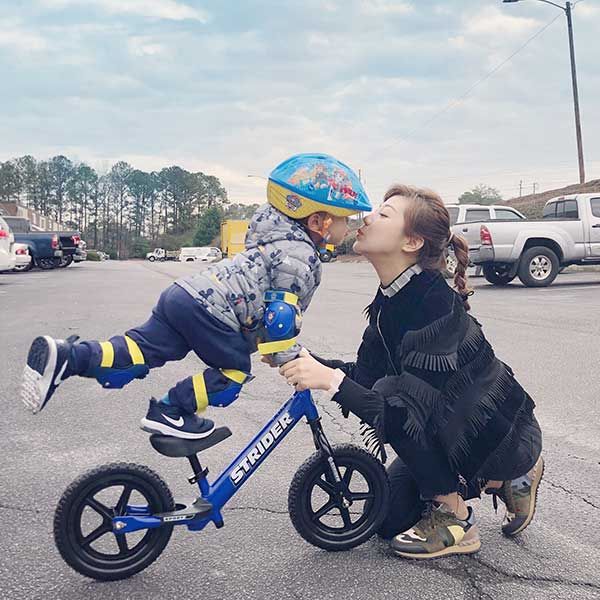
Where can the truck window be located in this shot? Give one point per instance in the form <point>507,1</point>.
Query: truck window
<point>478,214</point>
<point>550,211</point>
<point>567,209</point>
<point>596,207</point>
<point>453,212</point>
<point>507,215</point>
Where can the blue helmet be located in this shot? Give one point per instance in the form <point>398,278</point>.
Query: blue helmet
<point>308,183</point>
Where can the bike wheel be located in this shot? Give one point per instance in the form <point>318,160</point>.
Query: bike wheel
<point>320,517</point>
<point>83,530</point>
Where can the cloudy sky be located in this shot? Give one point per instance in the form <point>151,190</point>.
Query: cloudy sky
<point>233,88</point>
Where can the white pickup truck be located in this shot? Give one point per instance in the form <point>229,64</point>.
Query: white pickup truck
<point>536,250</point>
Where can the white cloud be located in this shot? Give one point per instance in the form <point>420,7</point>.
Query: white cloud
<point>493,21</point>
<point>587,10</point>
<point>15,37</point>
<point>158,9</point>
<point>144,46</point>
<point>378,7</point>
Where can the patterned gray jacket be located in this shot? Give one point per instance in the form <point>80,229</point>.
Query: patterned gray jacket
<point>279,255</point>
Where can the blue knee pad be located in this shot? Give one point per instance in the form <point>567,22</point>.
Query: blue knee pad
<point>117,378</point>
<point>218,387</point>
<point>119,350</point>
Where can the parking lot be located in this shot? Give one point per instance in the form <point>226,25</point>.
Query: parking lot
<point>549,336</point>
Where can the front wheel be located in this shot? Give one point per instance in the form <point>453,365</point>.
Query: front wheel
<point>325,257</point>
<point>83,529</point>
<point>324,519</point>
<point>498,274</point>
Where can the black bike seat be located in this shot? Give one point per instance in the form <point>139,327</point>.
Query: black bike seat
<point>178,447</point>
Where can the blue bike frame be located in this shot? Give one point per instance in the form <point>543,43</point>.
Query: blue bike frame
<point>231,480</point>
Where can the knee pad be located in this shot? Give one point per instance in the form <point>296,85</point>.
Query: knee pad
<point>218,387</point>
<point>120,350</point>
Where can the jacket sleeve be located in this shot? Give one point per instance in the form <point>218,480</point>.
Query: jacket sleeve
<point>295,268</point>
<point>368,367</point>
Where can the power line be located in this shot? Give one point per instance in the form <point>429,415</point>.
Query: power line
<point>460,98</point>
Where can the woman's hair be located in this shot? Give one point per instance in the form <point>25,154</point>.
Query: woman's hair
<point>427,218</point>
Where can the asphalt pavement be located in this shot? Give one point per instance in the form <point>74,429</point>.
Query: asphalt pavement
<point>549,336</point>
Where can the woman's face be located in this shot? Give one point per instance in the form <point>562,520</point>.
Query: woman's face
<point>383,231</point>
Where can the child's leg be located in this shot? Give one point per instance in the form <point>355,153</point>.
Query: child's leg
<point>113,363</point>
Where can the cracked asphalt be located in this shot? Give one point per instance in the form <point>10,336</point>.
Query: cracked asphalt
<point>549,337</point>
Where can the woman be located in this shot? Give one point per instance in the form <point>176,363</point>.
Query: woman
<point>428,384</point>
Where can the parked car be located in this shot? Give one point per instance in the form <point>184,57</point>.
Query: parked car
<point>536,250</point>
<point>44,246</point>
<point>81,252</point>
<point>327,253</point>
<point>7,253</point>
<point>23,260</point>
<point>466,219</point>
<point>204,254</point>
<point>162,254</point>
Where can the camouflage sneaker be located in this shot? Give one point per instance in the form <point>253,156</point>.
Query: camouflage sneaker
<point>519,497</point>
<point>439,533</point>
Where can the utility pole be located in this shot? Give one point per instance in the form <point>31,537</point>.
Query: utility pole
<point>534,187</point>
<point>568,9</point>
<point>520,188</point>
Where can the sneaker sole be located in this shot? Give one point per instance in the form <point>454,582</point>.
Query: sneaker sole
<point>469,548</point>
<point>535,485</point>
<point>153,427</point>
<point>39,373</point>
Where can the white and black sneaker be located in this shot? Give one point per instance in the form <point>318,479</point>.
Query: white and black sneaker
<point>47,362</point>
<point>169,420</point>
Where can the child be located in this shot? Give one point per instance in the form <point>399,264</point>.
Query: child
<point>224,314</point>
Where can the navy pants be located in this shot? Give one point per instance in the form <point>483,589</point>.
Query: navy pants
<point>178,324</point>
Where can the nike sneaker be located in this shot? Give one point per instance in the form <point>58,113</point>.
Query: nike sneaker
<point>46,369</point>
<point>169,420</point>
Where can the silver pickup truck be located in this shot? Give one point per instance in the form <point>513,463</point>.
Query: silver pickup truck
<point>536,250</point>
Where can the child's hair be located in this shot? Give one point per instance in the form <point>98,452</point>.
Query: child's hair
<point>427,217</point>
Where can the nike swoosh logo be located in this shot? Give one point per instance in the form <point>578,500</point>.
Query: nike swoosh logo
<point>177,423</point>
<point>58,379</point>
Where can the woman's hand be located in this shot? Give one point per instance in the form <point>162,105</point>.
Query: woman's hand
<point>306,373</point>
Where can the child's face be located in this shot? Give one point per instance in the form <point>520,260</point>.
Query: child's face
<point>337,230</point>
<point>383,231</point>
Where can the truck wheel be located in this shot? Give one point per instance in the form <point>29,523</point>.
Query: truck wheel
<point>451,265</point>
<point>47,264</point>
<point>498,275</point>
<point>65,261</point>
<point>325,257</point>
<point>151,258</point>
<point>539,267</point>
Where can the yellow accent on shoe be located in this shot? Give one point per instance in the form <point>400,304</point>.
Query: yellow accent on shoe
<point>273,347</point>
<point>200,392</point>
<point>237,376</point>
<point>108,354</point>
<point>134,351</point>
<point>458,533</point>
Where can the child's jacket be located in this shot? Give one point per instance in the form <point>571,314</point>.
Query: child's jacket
<point>279,255</point>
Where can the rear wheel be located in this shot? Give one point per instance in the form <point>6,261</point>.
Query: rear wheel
<point>325,520</point>
<point>539,267</point>
<point>325,257</point>
<point>47,264</point>
<point>83,529</point>
<point>24,268</point>
<point>65,261</point>
<point>498,274</point>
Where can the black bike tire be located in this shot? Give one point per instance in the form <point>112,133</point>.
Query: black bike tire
<point>297,497</point>
<point>63,526</point>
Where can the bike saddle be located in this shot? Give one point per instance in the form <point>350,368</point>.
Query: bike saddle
<point>174,447</point>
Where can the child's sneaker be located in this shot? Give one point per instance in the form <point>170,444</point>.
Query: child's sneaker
<point>47,362</point>
<point>169,420</point>
<point>520,497</point>
<point>439,533</point>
